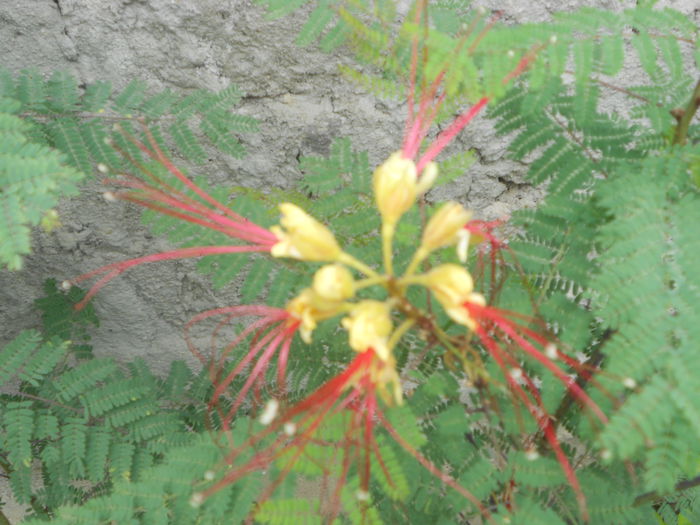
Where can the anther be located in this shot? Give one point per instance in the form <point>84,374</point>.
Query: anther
<point>532,454</point>
<point>109,196</point>
<point>102,168</point>
<point>290,428</point>
<point>630,383</point>
<point>550,350</point>
<point>196,500</point>
<point>270,412</point>
<point>362,495</point>
<point>66,285</point>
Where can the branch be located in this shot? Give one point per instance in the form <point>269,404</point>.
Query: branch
<point>649,497</point>
<point>685,116</point>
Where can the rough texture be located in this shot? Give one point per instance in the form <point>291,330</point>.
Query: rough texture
<point>297,94</point>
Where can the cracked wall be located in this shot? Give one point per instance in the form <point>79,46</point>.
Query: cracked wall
<point>298,96</point>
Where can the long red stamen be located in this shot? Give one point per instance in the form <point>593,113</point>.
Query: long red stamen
<point>541,416</point>
<point>115,269</point>
<point>509,329</point>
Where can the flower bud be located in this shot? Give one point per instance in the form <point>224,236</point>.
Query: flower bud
<point>334,282</point>
<point>453,286</point>
<point>369,326</point>
<point>444,227</point>
<point>303,237</point>
<point>395,187</point>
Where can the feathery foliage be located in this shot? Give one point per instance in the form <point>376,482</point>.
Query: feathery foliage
<point>604,267</point>
<point>53,132</point>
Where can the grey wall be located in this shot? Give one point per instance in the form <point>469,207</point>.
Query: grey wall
<point>297,94</point>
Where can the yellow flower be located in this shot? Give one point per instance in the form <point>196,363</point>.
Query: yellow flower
<point>396,186</point>
<point>309,309</point>
<point>453,286</point>
<point>369,326</point>
<point>303,237</point>
<point>334,282</point>
<point>444,227</point>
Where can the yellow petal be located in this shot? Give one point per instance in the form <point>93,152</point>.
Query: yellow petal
<point>369,325</point>
<point>303,237</point>
<point>444,227</point>
<point>395,187</point>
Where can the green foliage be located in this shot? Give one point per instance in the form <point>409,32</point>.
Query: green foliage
<point>32,177</point>
<point>76,418</point>
<point>53,132</point>
<point>608,259</point>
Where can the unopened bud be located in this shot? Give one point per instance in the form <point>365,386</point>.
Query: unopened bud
<point>196,500</point>
<point>290,428</point>
<point>209,475</point>
<point>553,39</point>
<point>606,454</point>
<point>445,227</point>
<point>511,53</point>
<point>109,196</point>
<point>334,282</point>
<point>102,168</point>
<point>66,285</point>
<point>395,184</point>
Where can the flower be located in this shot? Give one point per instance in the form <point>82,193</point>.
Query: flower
<point>334,282</point>
<point>303,237</point>
<point>445,226</point>
<point>309,308</point>
<point>369,326</point>
<point>453,286</point>
<point>395,187</point>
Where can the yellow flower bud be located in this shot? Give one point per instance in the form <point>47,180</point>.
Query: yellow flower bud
<point>395,187</point>
<point>443,228</point>
<point>453,286</point>
<point>303,237</point>
<point>334,282</point>
<point>369,326</point>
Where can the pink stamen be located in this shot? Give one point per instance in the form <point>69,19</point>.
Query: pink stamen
<point>541,416</point>
<point>115,269</point>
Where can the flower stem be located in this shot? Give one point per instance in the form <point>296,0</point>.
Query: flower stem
<point>387,237</point>
<point>399,332</point>
<point>418,258</point>
<point>349,260</point>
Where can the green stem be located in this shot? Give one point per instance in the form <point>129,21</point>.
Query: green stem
<point>399,333</point>
<point>371,281</point>
<point>349,260</point>
<point>418,258</point>
<point>387,237</point>
<point>681,135</point>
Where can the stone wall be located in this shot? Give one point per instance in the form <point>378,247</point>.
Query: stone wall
<point>297,94</point>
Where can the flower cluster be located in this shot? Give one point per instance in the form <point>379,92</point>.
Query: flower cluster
<point>337,292</point>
